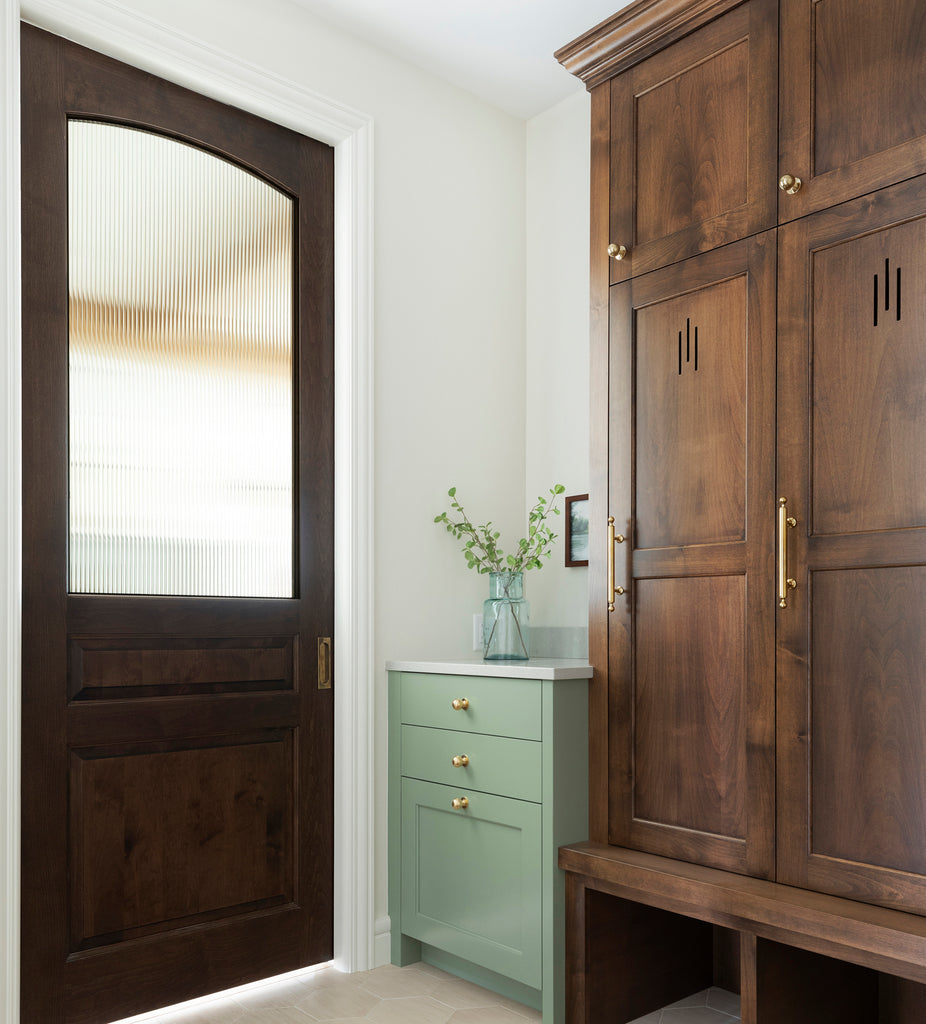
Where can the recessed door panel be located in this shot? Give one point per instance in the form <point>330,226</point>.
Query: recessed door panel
<point>868,659</point>
<point>869,362</point>
<point>701,110</point>
<point>222,844</point>
<point>689,704</point>
<point>691,417</point>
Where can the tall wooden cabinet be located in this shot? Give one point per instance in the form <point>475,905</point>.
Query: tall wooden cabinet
<point>758,265</point>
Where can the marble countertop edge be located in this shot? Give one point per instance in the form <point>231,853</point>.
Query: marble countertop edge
<point>533,668</point>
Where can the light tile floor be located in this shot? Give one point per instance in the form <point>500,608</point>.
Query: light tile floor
<point>418,994</point>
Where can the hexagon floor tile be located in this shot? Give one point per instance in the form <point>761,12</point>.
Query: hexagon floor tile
<point>417,994</point>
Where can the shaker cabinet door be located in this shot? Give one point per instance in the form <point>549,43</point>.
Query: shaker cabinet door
<point>852,639</point>
<point>471,877</point>
<point>693,143</point>
<point>853,99</point>
<point>691,637</point>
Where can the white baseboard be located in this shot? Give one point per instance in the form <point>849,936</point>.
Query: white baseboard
<point>382,941</point>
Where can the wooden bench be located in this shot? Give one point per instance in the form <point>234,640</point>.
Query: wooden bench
<point>644,931</point>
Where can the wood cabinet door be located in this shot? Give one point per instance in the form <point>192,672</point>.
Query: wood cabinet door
<point>693,142</point>
<point>853,98</point>
<point>852,639</point>
<point>691,639</point>
<point>178,791</point>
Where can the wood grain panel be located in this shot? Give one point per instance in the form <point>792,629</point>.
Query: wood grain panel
<point>868,365</point>
<point>172,666</point>
<point>689,704</point>
<point>691,417</point>
<point>691,161</point>
<point>869,78</point>
<point>853,99</point>
<point>163,838</point>
<point>693,142</point>
<point>868,790</point>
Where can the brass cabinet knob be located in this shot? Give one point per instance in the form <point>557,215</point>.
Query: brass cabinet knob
<point>459,803</point>
<point>459,704</point>
<point>617,252</point>
<point>788,183</point>
<point>459,761</point>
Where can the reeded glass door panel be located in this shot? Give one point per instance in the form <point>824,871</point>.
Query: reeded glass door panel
<point>181,370</point>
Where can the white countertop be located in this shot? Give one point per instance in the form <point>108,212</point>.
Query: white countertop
<point>533,668</point>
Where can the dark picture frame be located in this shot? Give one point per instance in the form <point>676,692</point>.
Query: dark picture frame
<point>576,530</point>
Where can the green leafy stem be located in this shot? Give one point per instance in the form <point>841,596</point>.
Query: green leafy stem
<point>480,543</point>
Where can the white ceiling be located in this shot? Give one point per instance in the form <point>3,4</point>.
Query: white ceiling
<point>501,50</point>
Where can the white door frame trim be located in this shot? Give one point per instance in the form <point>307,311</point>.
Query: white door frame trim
<point>155,47</point>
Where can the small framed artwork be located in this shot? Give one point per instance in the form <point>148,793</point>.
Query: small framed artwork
<point>577,530</point>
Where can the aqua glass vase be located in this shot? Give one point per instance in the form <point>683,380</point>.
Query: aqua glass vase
<point>506,618</point>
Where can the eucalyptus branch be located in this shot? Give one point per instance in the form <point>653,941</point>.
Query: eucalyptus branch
<point>480,543</point>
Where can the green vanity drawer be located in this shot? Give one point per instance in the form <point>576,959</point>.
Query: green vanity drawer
<point>496,764</point>
<point>500,707</point>
<point>471,879</point>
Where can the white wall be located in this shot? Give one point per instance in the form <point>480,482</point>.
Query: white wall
<point>557,189</point>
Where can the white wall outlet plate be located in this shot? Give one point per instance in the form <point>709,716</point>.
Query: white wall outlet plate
<point>477,633</point>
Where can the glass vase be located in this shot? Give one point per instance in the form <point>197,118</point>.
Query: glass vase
<point>506,618</point>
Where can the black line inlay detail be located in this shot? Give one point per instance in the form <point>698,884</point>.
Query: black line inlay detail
<point>687,346</point>
<point>887,293</point>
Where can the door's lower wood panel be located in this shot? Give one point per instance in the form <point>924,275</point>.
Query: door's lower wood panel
<point>164,836</point>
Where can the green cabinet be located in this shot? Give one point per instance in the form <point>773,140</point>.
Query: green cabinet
<point>488,777</point>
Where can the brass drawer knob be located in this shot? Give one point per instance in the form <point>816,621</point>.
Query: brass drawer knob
<point>459,803</point>
<point>617,252</point>
<point>789,184</point>
<point>459,704</point>
<point>459,761</point>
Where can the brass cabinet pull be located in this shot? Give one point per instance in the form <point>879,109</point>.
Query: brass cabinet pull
<point>324,662</point>
<point>785,523</point>
<point>617,252</point>
<point>613,538</point>
<point>459,761</point>
<point>459,803</point>
<point>460,704</point>
<point>789,184</point>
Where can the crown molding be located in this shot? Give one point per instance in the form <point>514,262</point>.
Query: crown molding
<point>635,34</point>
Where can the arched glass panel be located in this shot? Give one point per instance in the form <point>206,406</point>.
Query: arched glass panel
<point>181,370</point>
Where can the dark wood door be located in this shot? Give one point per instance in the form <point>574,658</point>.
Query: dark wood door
<point>691,639</point>
<point>177,751</point>
<point>852,639</point>
<point>853,99</point>
<point>693,142</point>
